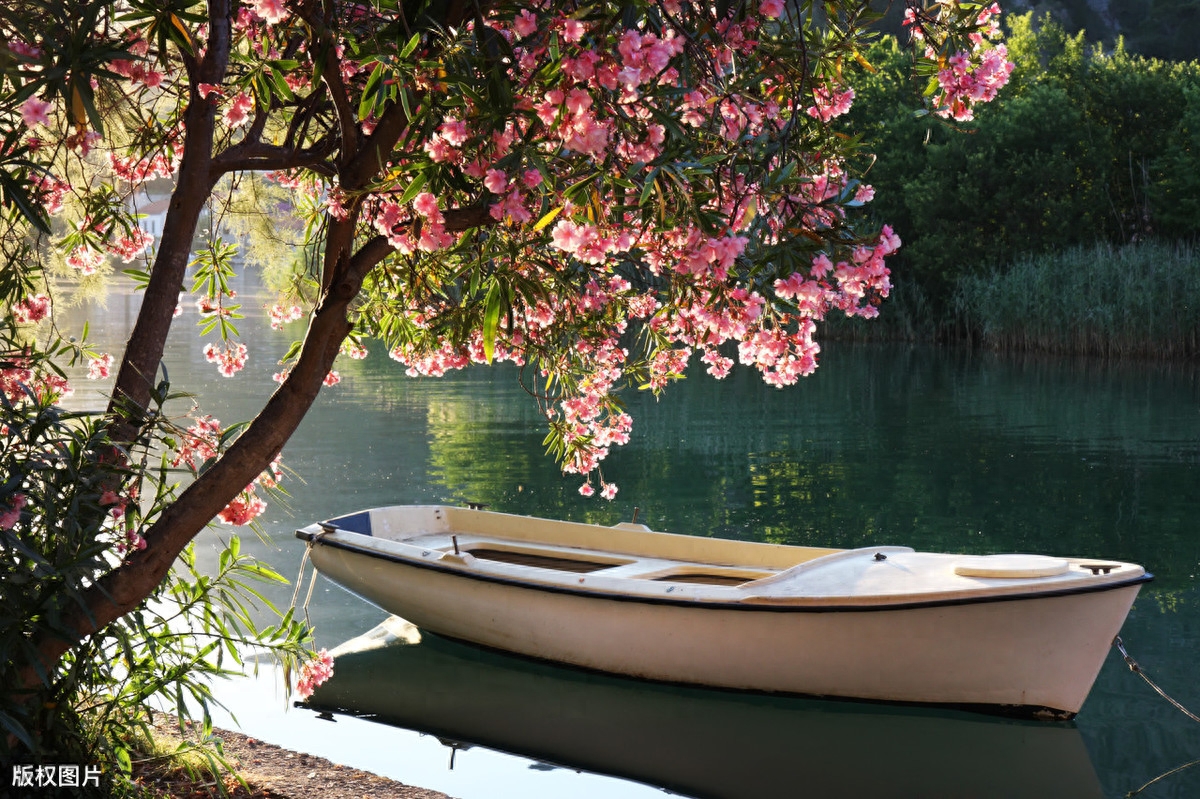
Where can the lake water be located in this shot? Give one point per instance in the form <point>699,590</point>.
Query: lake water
<point>943,450</point>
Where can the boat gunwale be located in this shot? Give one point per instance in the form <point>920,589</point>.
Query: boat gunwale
<point>750,604</point>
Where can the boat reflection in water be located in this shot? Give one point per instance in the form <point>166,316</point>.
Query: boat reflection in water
<point>697,742</point>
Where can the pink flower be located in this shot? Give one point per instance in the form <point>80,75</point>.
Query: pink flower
<point>99,367</point>
<point>314,673</point>
<point>771,8</point>
<point>280,315</point>
<point>35,112</point>
<point>244,508</point>
<point>608,491</point>
<point>31,309</point>
<point>238,112</point>
<point>426,205</point>
<point>13,515</point>
<point>573,30</point>
<point>230,360</point>
<point>587,490</point>
<point>830,104</point>
<point>272,11</point>
<point>495,181</point>
<point>525,24</point>
<point>332,379</point>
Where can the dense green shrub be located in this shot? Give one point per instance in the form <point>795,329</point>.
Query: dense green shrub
<point>1084,146</point>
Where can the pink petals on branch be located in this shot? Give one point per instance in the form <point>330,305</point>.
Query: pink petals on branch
<point>314,673</point>
<point>34,112</point>
<point>31,309</point>
<point>271,11</point>
<point>965,83</point>
<point>11,511</point>
<point>829,103</point>
<point>100,367</point>
<point>202,442</point>
<point>238,112</point>
<point>230,359</point>
<point>968,77</point>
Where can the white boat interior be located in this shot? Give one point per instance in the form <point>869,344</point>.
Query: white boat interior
<point>631,561</point>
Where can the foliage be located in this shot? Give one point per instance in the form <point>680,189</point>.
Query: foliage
<point>1086,145</point>
<point>1138,299</point>
<point>595,191</point>
<point>62,526</point>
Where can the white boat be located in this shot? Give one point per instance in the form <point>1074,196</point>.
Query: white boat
<point>1025,634</point>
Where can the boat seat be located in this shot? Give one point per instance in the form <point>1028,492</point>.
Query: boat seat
<point>755,588</point>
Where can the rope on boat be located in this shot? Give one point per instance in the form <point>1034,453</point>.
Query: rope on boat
<point>300,578</point>
<point>1137,669</point>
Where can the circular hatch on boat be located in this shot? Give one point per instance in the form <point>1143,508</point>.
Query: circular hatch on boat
<point>1011,566</point>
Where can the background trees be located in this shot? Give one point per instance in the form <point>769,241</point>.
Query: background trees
<point>1087,146</point>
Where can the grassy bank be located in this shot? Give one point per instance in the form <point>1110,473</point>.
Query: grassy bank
<point>1138,300</point>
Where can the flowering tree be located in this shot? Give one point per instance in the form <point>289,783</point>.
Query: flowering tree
<point>602,193</point>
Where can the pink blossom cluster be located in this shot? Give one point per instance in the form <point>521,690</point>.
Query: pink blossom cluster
<point>421,227</point>
<point>237,113</point>
<point>138,170</point>
<point>230,359</point>
<point>31,309</point>
<point>51,192</point>
<point>19,376</point>
<point>353,349</point>
<point>280,314</point>
<point>131,245</point>
<point>85,259</point>
<point>829,103</point>
<point>314,673</point>
<point>243,509</point>
<point>137,69</point>
<point>967,82</point>
<point>100,367</point>
<point>970,76</point>
<point>200,443</point>
<point>12,511</point>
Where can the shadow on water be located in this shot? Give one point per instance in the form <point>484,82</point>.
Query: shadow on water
<point>695,742</point>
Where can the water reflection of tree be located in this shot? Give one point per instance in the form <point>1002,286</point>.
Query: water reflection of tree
<point>889,445</point>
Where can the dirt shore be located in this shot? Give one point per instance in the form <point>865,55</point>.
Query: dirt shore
<point>273,772</point>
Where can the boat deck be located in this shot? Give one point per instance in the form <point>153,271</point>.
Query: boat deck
<point>631,561</point>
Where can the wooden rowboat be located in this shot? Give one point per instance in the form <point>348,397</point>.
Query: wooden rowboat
<point>1024,634</point>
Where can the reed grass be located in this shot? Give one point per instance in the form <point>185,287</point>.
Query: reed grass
<point>1141,299</point>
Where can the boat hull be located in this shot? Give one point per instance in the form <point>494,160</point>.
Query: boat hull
<point>1031,654</point>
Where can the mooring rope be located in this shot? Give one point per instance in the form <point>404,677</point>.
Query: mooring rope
<point>300,577</point>
<point>1160,777</point>
<point>1137,669</point>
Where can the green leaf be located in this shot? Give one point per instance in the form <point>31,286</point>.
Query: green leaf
<point>491,320</point>
<point>370,92</point>
<point>412,45</point>
<point>414,188</point>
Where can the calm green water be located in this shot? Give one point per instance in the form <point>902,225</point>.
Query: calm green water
<point>937,450</point>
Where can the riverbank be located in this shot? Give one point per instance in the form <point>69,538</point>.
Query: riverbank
<point>273,772</point>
